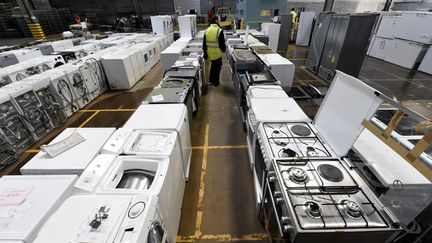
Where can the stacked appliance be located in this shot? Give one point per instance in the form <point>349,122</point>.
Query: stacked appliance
<point>305,28</point>
<point>402,38</point>
<point>171,117</point>
<point>336,39</point>
<point>59,157</point>
<point>187,25</point>
<point>28,201</point>
<point>280,67</point>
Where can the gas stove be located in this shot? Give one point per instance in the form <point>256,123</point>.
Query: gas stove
<point>293,140</point>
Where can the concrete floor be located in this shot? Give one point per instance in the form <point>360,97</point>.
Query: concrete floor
<point>219,199</point>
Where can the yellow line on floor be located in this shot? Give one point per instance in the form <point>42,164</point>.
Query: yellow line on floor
<point>224,237</point>
<point>32,150</point>
<point>108,110</point>
<point>199,217</point>
<point>89,119</point>
<point>221,147</point>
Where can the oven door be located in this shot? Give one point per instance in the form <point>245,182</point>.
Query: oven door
<point>270,212</point>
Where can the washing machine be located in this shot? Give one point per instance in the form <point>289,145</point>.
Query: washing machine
<point>172,117</point>
<point>145,57</point>
<point>8,154</point>
<point>49,47</point>
<point>68,56</point>
<point>8,60</point>
<point>132,175</point>
<point>26,202</point>
<point>140,62</point>
<point>139,142</point>
<point>106,218</point>
<point>51,61</point>
<point>13,127</point>
<point>91,74</point>
<point>64,90</point>
<point>50,100</point>
<point>14,73</point>
<point>68,159</point>
<point>77,83</point>
<point>78,51</point>
<point>31,110</point>
<point>23,54</point>
<point>119,70</point>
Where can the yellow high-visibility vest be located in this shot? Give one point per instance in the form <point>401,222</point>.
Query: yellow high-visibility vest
<point>212,41</point>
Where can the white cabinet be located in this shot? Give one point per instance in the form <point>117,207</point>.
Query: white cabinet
<point>187,25</point>
<point>406,53</point>
<point>426,65</point>
<point>381,47</point>
<point>161,25</point>
<point>305,28</point>
<point>415,26</point>
<point>388,26</point>
<point>280,67</point>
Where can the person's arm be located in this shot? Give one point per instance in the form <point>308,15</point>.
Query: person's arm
<point>205,47</point>
<point>222,45</point>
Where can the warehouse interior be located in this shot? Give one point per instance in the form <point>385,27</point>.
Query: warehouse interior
<point>114,130</point>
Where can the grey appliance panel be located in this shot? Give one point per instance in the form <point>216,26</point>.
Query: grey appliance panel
<point>284,37</point>
<point>8,60</point>
<point>319,36</point>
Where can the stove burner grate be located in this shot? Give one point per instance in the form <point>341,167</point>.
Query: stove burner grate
<point>298,175</point>
<point>330,172</point>
<point>301,130</point>
<point>313,209</point>
<point>352,209</point>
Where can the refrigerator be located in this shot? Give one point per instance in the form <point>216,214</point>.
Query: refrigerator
<point>319,34</point>
<point>426,64</point>
<point>305,28</point>
<point>346,44</point>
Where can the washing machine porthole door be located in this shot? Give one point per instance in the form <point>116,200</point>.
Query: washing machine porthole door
<point>157,234</point>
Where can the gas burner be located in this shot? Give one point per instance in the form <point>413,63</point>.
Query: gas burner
<point>278,133</point>
<point>330,172</point>
<point>298,175</point>
<point>287,152</point>
<point>352,209</point>
<point>279,142</point>
<point>313,209</point>
<point>301,130</point>
<point>311,151</point>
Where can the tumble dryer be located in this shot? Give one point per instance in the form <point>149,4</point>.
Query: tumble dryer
<point>28,201</point>
<point>92,76</point>
<point>32,111</point>
<point>68,162</point>
<point>134,175</point>
<point>172,117</point>
<point>13,127</point>
<point>105,218</point>
<point>64,90</point>
<point>50,100</point>
<point>119,70</point>
<point>77,83</point>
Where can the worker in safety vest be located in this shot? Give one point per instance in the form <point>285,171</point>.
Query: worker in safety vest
<point>213,46</point>
<point>293,16</point>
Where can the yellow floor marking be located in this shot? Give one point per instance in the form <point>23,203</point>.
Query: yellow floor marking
<point>32,150</point>
<point>89,119</point>
<point>198,221</point>
<point>221,147</point>
<point>108,110</point>
<point>224,237</point>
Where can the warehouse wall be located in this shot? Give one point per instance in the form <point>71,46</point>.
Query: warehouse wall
<point>251,9</point>
<point>208,4</point>
<point>185,5</point>
<point>412,5</point>
<point>339,5</point>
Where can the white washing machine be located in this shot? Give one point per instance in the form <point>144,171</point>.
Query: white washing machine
<point>139,142</point>
<point>14,73</point>
<point>13,128</point>
<point>105,218</point>
<point>77,82</point>
<point>90,75</point>
<point>119,70</point>
<point>140,62</point>
<point>26,202</point>
<point>23,54</point>
<point>146,56</point>
<point>132,175</point>
<point>64,90</point>
<point>173,117</point>
<point>51,61</point>
<point>75,159</point>
<point>31,110</point>
<point>46,93</point>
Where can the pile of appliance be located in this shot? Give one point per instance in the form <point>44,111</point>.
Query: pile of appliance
<point>308,189</point>
<point>127,185</point>
<point>39,92</point>
<point>404,38</point>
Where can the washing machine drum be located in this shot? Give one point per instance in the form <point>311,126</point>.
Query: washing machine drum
<point>136,179</point>
<point>156,234</point>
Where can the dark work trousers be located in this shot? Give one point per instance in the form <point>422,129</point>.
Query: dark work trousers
<point>215,68</point>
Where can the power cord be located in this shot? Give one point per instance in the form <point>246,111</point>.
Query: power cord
<point>61,85</point>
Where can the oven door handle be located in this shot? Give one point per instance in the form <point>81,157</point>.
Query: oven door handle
<point>274,207</point>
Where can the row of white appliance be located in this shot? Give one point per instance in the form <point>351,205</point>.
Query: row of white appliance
<point>127,185</point>
<point>403,38</point>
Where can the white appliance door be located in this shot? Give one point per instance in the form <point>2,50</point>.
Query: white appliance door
<point>348,102</point>
<point>404,53</point>
<point>305,28</point>
<point>277,109</point>
<point>426,64</point>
